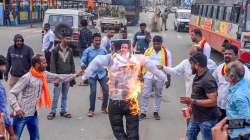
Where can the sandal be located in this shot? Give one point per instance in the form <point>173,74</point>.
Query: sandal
<point>51,116</point>
<point>65,115</point>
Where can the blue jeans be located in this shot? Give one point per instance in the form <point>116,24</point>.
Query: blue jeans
<point>105,90</point>
<point>63,89</point>
<point>205,127</point>
<point>32,125</point>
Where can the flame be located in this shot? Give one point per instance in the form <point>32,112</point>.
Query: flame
<point>129,72</point>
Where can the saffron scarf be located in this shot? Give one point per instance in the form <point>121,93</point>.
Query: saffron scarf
<point>46,94</point>
<point>224,69</point>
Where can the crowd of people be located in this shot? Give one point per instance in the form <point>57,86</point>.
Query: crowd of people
<point>215,95</point>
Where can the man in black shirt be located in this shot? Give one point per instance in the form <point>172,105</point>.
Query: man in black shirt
<point>203,101</point>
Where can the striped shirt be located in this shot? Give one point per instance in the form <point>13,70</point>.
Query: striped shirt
<point>30,89</point>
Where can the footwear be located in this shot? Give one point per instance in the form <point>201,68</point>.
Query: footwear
<point>105,110</point>
<point>142,116</point>
<point>51,116</point>
<point>91,114</point>
<point>157,116</point>
<point>65,115</point>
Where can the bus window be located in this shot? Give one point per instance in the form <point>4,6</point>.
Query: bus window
<point>210,11</point>
<point>200,10</point>
<point>215,11</point>
<point>234,18</point>
<point>228,13</point>
<point>197,7</point>
<point>221,13</point>
<point>204,11</point>
<point>192,9</point>
<point>248,19</point>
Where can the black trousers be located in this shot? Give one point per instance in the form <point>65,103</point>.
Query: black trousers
<point>118,109</point>
<point>47,56</point>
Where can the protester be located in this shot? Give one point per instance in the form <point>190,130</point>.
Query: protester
<point>8,122</point>
<point>123,34</point>
<point>18,60</point>
<point>230,55</point>
<point>85,37</point>
<point>205,113</point>
<point>62,62</point>
<point>238,106</point>
<point>99,75</point>
<point>159,55</point>
<point>124,87</point>
<point>197,37</point>
<point>48,43</point>
<point>141,39</point>
<point>164,18</point>
<point>106,40</point>
<point>26,96</point>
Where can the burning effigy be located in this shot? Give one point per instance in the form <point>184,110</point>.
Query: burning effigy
<point>124,68</point>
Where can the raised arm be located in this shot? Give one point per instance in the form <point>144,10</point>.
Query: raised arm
<point>98,62</point>
<point>153,68</point>
<point>58,78</point>
<point>178,70</point>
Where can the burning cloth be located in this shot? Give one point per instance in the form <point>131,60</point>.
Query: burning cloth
<point>123,71</point>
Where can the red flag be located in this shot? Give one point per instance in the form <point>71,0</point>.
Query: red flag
<point>91,4</point>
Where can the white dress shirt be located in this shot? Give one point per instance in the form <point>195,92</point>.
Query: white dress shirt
<point>223,85</point>
<point>157,60</point>
<point>207,50</point>
<point>48,37</point>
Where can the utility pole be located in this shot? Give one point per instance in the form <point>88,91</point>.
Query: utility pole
<point>31,11</point>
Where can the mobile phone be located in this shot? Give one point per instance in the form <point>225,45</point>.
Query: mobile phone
<point>236,123</point>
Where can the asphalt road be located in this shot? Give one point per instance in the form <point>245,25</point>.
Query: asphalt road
<point>80,127</point>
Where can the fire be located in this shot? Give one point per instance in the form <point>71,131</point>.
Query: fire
<point>134,90</point>
<point>124,81</point>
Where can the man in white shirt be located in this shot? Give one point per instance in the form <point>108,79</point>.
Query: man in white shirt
<point>184,69</point>
<point>159,55</point>
<point>202,44</point>
<point>48,43</point>
<point>230,55</point>
<point>106,40</point>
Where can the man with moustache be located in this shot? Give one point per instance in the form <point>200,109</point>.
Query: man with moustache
<point>230,55</point>
<point>203,100</point>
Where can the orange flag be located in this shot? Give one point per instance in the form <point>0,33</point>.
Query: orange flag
<point>91,4</point>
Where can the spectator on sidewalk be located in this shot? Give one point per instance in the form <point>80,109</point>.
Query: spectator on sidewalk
<point>48,43</point>
<point>62,62</point>
<point>18,60</point>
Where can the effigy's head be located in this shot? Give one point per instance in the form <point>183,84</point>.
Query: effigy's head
<point>121,46</point>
